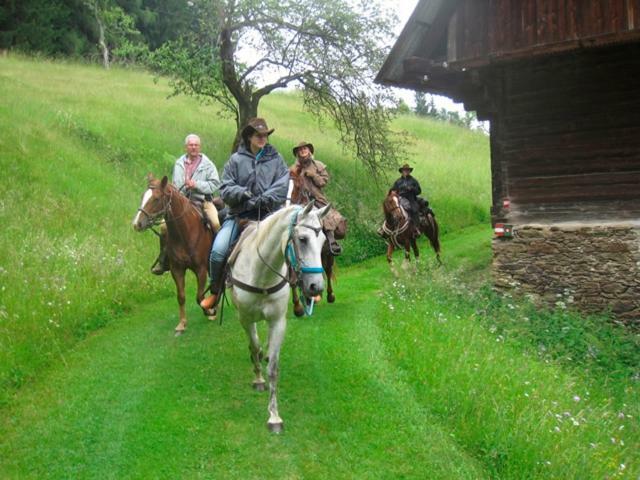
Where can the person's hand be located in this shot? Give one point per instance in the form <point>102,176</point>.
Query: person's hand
<point>247,194</point>
<point>191,184</point>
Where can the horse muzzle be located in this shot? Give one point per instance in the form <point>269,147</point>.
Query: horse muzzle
<point>312,284</point>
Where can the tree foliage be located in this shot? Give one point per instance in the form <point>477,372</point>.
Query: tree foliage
<point>238,51</point>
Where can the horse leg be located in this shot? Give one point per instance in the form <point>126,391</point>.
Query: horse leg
<point>276,336</point>
<point>389,252</point>
<point>256,356</point>
<point>178,277</point>
<point>298,309</point>
<point>414,246</point>
<point>202,276</point>
<point>327,262</point>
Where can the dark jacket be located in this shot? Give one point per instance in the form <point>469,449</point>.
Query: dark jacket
<point>265,175</point>
<point>407,187</point>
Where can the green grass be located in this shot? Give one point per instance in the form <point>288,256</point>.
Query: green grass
<point>425,375</point>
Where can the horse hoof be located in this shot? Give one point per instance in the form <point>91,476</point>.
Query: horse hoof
<point>331,298</point>
<point>298,311</point>
<point>276,428</point>
<point>259,386</point>
<point>178,333</point>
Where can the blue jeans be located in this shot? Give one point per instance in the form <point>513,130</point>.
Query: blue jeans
<point>220,249</point>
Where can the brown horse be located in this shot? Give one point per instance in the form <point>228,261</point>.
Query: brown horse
<point>188,241</point>
<point>299,197</point>
<point>398,229</point>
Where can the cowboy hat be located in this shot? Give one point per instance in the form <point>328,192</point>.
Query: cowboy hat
<point>406,166</point>
<point>256,125</point>
<point>300,145</point>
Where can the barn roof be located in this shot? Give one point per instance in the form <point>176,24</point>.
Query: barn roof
<point>444,41</point>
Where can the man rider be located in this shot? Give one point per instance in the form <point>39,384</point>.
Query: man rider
<point>408,189</point>
<point>197,178</point>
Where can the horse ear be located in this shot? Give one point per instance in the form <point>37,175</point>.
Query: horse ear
<point>163,183</point>
<point>308,208</point>
<point>324,211</point>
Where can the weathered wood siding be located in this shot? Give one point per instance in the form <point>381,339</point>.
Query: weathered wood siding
<point>566,139</point>
<point>483,29</point>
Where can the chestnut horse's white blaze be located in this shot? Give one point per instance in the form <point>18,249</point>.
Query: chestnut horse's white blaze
<point>260,263</point>
<point>145,198</point>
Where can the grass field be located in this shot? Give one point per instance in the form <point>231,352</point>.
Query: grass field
<point>426,374</point>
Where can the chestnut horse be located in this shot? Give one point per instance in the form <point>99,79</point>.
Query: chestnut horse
<point>399,231</point>
<point>297,196</point>
<point>188,240</point>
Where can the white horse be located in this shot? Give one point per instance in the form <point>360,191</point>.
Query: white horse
<point>260,288</point>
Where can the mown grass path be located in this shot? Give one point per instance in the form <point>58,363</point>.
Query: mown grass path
<point>135,402</point>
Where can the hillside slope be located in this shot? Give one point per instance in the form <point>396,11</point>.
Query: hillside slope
<point>76,142</point>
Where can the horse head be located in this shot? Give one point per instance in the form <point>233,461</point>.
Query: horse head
<point>307,239</point>
<point>154,203</point>
<point>392,208</point>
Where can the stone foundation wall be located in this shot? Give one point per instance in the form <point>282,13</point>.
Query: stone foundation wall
<point>593,268</point>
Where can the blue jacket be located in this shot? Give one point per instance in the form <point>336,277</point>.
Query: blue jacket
<point>264,175</point>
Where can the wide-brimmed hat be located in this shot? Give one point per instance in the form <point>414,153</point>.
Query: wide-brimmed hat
<point>256,125</point>
<point>300,145</point>
<point>406,166</point>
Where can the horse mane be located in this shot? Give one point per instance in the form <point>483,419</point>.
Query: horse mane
<point>263,228</point>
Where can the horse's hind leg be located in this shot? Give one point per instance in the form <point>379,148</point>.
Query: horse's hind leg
<point>178,277</point>
<point>276,336</point>
<point>414,246</point>
<point>256,356</point>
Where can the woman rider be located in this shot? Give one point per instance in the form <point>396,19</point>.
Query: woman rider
<point>254,183</point>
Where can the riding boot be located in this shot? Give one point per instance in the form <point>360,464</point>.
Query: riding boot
<point>161,264</point>
<point>216,272</point>
<point>334,246</point>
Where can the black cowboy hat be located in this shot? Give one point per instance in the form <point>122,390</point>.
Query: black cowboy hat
<point>256,125</point>
<point>300,145</point>
<point>406,166</point>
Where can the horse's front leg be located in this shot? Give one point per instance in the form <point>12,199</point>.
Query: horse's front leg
<point>202,276</point>
<point>407,249</point>
<point>414,246</point>
<point>389,252</point>
<point>276,336</point>
<point>178,278</point>
<point>298,309</point>
<point>327,264</point>
<point>256,355</point>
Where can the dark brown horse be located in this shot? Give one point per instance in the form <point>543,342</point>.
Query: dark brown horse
<point>399,231</point>
<point>188,241</point>
<point>299,197</point>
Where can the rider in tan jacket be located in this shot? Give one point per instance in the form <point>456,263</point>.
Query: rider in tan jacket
<point>313,177</point>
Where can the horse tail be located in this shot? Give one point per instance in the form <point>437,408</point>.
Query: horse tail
<point>432,233</point>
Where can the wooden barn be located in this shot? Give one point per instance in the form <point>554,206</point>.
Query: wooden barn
<point>560,83</point>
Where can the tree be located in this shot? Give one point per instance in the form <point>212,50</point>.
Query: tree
<point>116,29</point>
<point>239,51</point>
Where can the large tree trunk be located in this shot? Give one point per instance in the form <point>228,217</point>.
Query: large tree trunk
<point>246,111</point>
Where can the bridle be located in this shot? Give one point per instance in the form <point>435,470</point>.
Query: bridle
<point>153,218</point>
<point>291,258</point>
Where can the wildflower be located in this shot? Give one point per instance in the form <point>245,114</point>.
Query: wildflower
<point>576,398</point>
